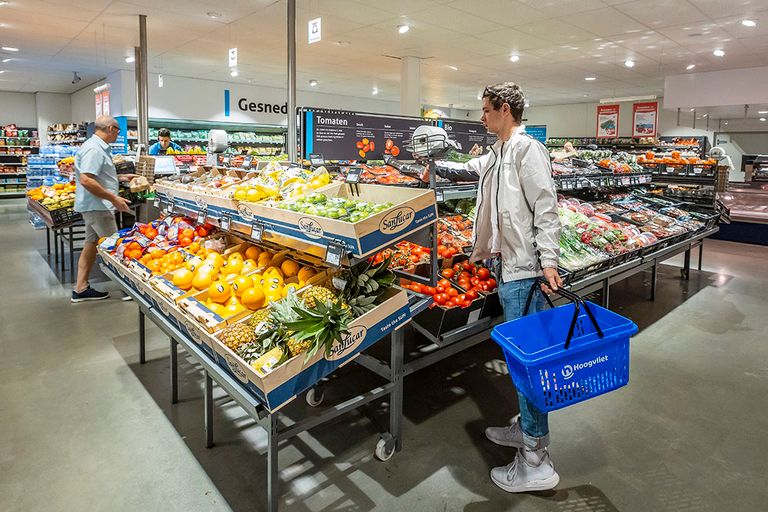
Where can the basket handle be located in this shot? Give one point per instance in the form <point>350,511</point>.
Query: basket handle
<point>577,302</point>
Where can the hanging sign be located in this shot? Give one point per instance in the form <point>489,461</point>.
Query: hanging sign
<point>105,102</point>
<point>644,119</point>
<point>607,121</point>
<point>314,31</point>
<point>99,110</point>
<point>232,57</point>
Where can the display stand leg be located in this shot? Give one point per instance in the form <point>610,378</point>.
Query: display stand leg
<point>701,254</point>
<point>606,293</point>
<point>396,402</point>
<point>142,338</point>
<point>71,255</point>
<point>61,252</point>
<point>272,482</point>
<point>174,371</point>
<point>654,272</point>
<point>687,265</point>
<point>55,247</point>
<point>208,410</point>
<point>48,240</point>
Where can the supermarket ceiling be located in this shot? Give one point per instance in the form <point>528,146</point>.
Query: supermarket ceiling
<point>559,43</point>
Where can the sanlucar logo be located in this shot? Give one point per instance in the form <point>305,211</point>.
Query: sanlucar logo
<point>237,370</point>
<point>311,228</point>
<point>246,212</point>
<point>569,371</point>
<point>348,344</point>
<point>397,220</point>
<point>192,331</point>
<point>200,201</point>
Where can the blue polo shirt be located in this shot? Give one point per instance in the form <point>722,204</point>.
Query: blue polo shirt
<point>95,157</point>
<point>157,149</point>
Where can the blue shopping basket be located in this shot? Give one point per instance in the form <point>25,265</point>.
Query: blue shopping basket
<point>565,355</point>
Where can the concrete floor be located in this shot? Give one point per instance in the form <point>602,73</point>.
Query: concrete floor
<point>85,427</point>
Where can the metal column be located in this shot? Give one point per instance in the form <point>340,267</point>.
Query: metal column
<point>174,371</point>
<point>142,338</point>
<point>208,410</point>
<point>142,95</point>
<point>701,254</point>
<point>654,273</point>
<point>291,138</point>
<point>397,351</point>
<point>272,458</point>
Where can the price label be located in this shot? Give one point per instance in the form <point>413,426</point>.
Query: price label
<point>202,216</point>
<point>247,162</point>
<point>439,196</point>
<point>224,222</point>
<point>334,253</point>
<point>225,161</point>
<point>257,231</point>
<point>353,175</point>
<point>157,202</point>
<point>316,159</point>
<point>170,207</point>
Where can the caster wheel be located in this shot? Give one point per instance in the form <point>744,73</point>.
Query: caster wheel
<point>385,448</point>
<point>315,397</point>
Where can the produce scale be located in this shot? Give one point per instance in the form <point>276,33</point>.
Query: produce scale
<point>273,277</point>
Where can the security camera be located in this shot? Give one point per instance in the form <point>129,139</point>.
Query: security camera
<point>75,77</point>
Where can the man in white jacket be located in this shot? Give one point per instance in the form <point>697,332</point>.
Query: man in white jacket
<point>518,229</point>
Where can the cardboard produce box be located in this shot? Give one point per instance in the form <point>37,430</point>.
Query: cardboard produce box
<point>413,209</point>
<point>283,383</point>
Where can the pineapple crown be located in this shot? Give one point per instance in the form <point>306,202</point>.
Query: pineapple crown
<point>326,323</point>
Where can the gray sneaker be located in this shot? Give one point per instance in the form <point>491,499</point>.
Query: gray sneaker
<point>511,436</point>
<point>530,471</point>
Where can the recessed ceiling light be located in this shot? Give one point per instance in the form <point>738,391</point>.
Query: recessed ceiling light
<point>233,73</point>
<point>586,95</point>
<point>454,68</point>
<point>762,111</point>
<point>692,110</point>
<point>629,63</point>
<point>214,15</point>
<point>130,59</point>
<point>527,104</point>
<point>7,60</point>
<point>2,71</point>
<point>403,28</point>
<point>375,91</point>
<point>514,58</point>
<point>10,49</point>
<point>3,3</point>
<point>762,119</point>
<point>718,53</point>
<point>726,123</point>
<point>749,23</point>
<point>690,66</point>
<point>590,78</point>
<point>312,83</point>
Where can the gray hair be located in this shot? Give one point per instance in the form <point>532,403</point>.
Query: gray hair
<point>509,93</point>
<point>104,123</point>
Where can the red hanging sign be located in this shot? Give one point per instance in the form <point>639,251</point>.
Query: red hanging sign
<point>105,103</point>
<point>99,110</point>
<point>645,118</point>
<point>607,121</point>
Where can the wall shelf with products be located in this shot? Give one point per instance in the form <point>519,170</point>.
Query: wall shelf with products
<point>16,146</point>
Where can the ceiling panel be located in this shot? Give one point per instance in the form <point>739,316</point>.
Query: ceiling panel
<point>662,13</point>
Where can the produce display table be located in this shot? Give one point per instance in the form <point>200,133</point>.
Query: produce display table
<point>389,442</point>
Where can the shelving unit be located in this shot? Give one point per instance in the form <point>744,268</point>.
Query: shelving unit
<point>71,134</point>
<point>14,184</point>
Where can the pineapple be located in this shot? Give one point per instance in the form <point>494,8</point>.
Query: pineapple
<point>250,351</point>
<point>268,361</point>
<point>322,325</point>
<point>316,294</point>
<point>237,334</point>
<point>296,347</point>
<point>363,283</point>
<point>258,317</point>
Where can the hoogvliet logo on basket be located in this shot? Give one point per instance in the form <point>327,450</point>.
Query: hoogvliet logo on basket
<point>570,370</point>
<point>311,228</point>
<point>397,220</point>
<point>348,344</point>
<point>237,370</point>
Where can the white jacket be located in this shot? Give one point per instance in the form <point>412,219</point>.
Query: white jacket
<point>517,176</point>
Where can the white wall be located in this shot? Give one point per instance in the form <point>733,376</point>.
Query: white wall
<point>51,108</point>
<point>17,108</point>
<point>83,107</point>
<point>728,87</point>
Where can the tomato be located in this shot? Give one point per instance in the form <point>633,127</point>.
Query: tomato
<point>441,248</point>
<point>414,258</point>
<point>464,273</point>
<point>455,301</point>
<point>458,268</point>
<point>483,273</point>
<point>466,304</point>
<point>444,283</point>
<point>441,298</point>
<point>416,287</point>
<point>474,280</point>
<point>417,251</point>
<point>453,292</point>
<point>451,252</point>
<point>378,259</point>
<point>448,273</point>
<point>484,286</point>
<point>462,297</point>
<point>472,295</point>
<point>440,289</point>
<point>429,290</point>
<point>469,267</point>
<point>492,284</point>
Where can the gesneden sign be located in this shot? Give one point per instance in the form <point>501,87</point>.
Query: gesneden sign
<point>252,106</point>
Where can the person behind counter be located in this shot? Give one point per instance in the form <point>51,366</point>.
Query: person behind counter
<point>163,143</point>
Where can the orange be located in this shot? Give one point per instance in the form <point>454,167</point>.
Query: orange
<point>274,280</point>
<point>241,284</point>
<point>253,298</point>
<point>258,279</point>
<point>248,266</point>
<point>274,292</point>
<point>233,266</point>
<point>183,278</point>
<point>264,258</point>
<point>289,287</point>
<point>202,280</point>
<point>215,259</point>
<point>193,264</point>
<point>219,291</point>
<point>306,273</point>
<point>290,268</point>
<point>218,309</point>
<point>177,257</point>
<point>234,307</point>
<point>194,247</point>
<point>184,241</point>
<point>252,252</point>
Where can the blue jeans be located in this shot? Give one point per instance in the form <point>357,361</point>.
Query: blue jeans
<point>533,422</point>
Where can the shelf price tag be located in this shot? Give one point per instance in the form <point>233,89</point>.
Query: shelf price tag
<point>170,206</point>
<point>353,175</point>
<point>157,202</point>
<point>334,254</point>
<point>439,196</point>
<point>257,231</point>
<point>225,161</point>
<point>247,162</point>
<point>224,222</point>
<point>202,216</point>
<point>316,159</point>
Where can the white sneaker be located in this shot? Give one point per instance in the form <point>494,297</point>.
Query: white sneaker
<point>532,470</point>
<point>506,436</point>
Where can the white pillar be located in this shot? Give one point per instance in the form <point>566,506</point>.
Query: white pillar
<point>410,86</point>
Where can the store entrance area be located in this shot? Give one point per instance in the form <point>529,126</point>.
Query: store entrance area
<point>87,427</point>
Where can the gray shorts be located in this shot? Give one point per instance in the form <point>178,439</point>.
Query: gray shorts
<point>98,224</point>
